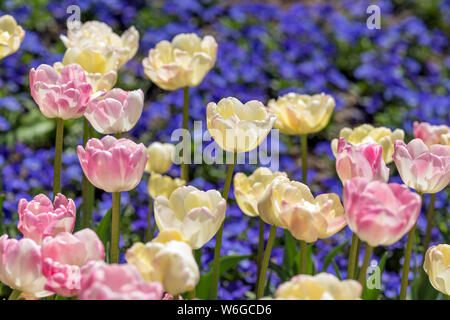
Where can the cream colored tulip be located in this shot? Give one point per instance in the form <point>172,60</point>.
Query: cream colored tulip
<point>166,259</point>
<point>367,133</point>
<point>100,66</point>
<point>99,37</point>
<point>437,266</point>
<point>11,35</point>
<point>184,62</point>
<point>302,114</point>
<point>196,214</point>
<point>290,205</point>
<point>160,185</point>
<point>322,286</point>
<point>160,157</point>
<point>238,127</point>
<point>248,189</point>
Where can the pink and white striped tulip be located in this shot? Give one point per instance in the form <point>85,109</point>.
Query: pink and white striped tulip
<point>380,213</point>
<point>41,218</point>
<point>363,160</point>
<point>63,257</point>
<point>425,169</point>
<point>430,134</point>
<point>20,266</point>
<point>60,95</point>
<point>115,111</point>
<point>117,282</point>
<point>113,165</point>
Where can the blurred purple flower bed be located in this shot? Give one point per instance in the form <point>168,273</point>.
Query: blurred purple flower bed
<point>390,77</point>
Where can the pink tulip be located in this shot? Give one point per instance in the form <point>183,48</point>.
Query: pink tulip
<point>380,213</point>
<point>113,165</point>
<point>426,170</point>
<point>117,282</point>
<point>116,111</point>
<point>20,266</point>
<point>63,257</point>
<point>428,133</point>
<point>63,95</point>
<point>40,217</point>
<point>364,160</point>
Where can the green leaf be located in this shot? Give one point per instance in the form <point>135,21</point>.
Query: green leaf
<point>336,270</point>
<point>329,258</point>
<point>103,228</point>
<point>290,260</point>
<point>372,294</point>
<point>226,263</point>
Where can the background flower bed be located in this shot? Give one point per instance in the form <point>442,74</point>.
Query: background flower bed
<point>388,77</point>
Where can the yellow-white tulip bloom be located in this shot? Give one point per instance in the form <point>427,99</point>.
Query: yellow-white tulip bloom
<point>302,114</point>
<point>11,35</point>
<point>290,205</point>
<point>166,259</point>
<point>196,214</point>
<point>248,189</point>
<point>160,157</point>
<point>367,133</point>
<point>99,37</point>
<point>445,139</point>
<point>437,266</point>
<point>322,286</point>
<point>161,185</point>
<point>238,127</point>
<point>184,62</point>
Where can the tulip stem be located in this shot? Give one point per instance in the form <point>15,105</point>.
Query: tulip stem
<point>406,262</point>
<point>15,294</point>
<point>265,262</point>
<point>115,228</point>
<point>260,252</point>
<point>304,158</point>
<point>58,156</point>
<point>150,230</point>
<point>87,213</point>
<point>353,257</point>
<point>185,166</point>
<point>216,263</point>
<point>362,272</point>
<point>303,257</point>
<point>430,215</point>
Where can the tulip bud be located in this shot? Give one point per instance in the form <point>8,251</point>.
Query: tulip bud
<point>160,157</point>
<point>11,35</point>
<point>430,134</point>
<point>437,266</point>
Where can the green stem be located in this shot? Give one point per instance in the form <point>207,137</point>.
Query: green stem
<point>260,252</point>
<point>353,258</point>
<point>150,230</point>
<point>430,215</point>
<point>304,158</point>
<point>265,262</point>
<point>58,156</point>
<point>362,272</point>
<point>185,166</point>
<point>115,228</point>
<point>15,294</point>
<point>405,272</point>
<point>216,263</point>
<point>87,213</point>
<point>303,257</point>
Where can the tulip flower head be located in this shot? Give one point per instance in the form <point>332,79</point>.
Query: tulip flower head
<point>184,62</point>
<point>41,218</point>
<point>380,213</point>
<point>437,266</point>
<point>160,157</point>
<point>248,189</point>
<point>166,259</point>
<point>113,165</point>
<point>238,127</point>
<point>159,185</point>
<point>425,169</point>
<point>430,134</point>
<point>103,281</point>
<point>115,111</point>
<point>62,94</point>
<point>20,266</point>
<point>363,160</point>
<point>196,214</point>
<point>368,134</point>
<point>63,257</point>
<point>11,35</point>
<point>302,114</point>
<point>322,286</point>
<point>290,205</point>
